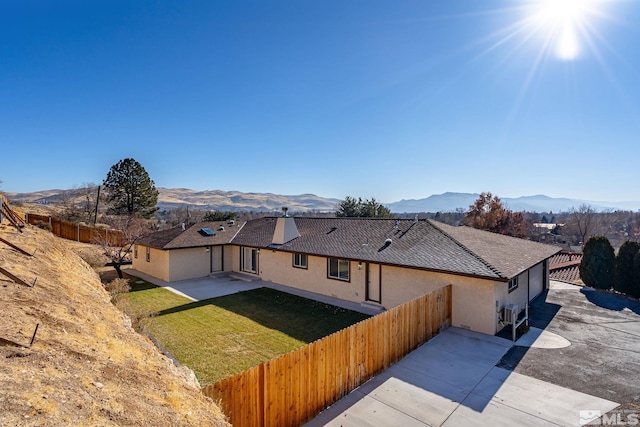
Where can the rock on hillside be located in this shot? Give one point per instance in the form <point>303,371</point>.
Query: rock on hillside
<point>87,366</point>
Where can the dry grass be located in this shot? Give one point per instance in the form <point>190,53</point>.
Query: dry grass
<point>87,366</point>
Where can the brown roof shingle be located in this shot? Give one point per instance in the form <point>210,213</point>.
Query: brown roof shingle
<point>192,237</point>
<point>422,244</point>
<point>418,244</point>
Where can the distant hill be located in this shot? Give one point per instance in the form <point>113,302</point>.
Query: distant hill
<point>170,198</point>
<point>237,201</point>
<point>449,202</point>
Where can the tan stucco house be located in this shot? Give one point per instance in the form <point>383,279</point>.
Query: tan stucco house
<point>382,262</point>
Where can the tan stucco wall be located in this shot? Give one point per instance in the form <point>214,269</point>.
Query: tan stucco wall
<point>227,257</point>
<point>473,299</point>
<point>189,263</point>
<point>158,265</point>
<point>472,304</point>
<point>277,267</point>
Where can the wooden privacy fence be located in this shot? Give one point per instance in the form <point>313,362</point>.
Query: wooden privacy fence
<point>293,388</point>
<point>80,233</point>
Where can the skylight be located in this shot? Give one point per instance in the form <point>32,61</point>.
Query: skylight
<point>207,232</point>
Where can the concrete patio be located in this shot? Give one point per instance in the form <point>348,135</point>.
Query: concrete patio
<point>452,380</point>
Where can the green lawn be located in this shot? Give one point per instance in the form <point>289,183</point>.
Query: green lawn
<point>222,336</point>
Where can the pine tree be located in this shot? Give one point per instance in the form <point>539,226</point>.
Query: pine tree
<point>130,190</point>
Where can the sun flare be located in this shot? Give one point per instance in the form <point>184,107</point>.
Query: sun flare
<point>563,22</point>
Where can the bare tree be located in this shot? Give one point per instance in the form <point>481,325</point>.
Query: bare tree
<point>584,222</point>
<point>90,203</point>
<point>132,228</point>
<point>80,203</point>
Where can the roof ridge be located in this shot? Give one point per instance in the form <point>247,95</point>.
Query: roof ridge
<point>239,229</point>
<point>466,249</point>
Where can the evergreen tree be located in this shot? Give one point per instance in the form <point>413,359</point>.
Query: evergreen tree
<point>598,263</point>
<point>624,272</point>
<point>218,216</point>
<point>635,287</point>
<point>350,207</point>
<point>129,189</point>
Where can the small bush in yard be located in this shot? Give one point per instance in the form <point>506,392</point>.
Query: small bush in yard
<point>598,263</point>
<point>117,288</point>
<point>624,276</point>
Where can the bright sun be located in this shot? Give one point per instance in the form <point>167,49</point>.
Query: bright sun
<point>563,22</point>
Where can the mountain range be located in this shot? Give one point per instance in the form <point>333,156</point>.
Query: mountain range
<point>448,202</point>
<point>170,198</point>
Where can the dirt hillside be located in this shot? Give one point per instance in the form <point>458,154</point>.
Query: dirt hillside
<point>87,366</point>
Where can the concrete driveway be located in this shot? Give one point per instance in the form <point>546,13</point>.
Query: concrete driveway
<point>452,380</point>
<point>604,356</point>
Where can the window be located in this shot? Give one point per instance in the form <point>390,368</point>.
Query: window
<point>338,269</point>
<point>513,284</point>
<point>135,251</point>
<point>249,260</point>
<point>300,260</point>
<point>148,254</point>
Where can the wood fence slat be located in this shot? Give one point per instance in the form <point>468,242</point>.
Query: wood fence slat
<point>293,388</point>
<point>71,231</point>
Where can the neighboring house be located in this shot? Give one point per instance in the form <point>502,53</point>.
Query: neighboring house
<point>383,262</point>
<point>565,266</point>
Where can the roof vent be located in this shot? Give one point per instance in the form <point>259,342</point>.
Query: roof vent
<point>231,221</point>
<point>284,211</point>
<point>183,227</point>
<point>387,242</point>
<point>221,228</point>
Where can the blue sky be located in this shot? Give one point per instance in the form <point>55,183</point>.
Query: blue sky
<point>393,100</point>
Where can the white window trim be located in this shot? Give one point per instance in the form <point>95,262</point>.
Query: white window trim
<point>513,284</point>
<point>300,257</point>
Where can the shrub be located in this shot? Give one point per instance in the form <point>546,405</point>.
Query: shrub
<point>117,288</point>
<point>598,263</point>
<point>624,271</point>
<point>43,225</point>
<point>635,287</point>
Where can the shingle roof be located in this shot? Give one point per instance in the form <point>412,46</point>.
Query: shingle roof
<point>192,237</point>
<point>508,255</point>
<point>423,244</point>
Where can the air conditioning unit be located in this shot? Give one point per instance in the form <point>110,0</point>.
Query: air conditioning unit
<point>510,315</point>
